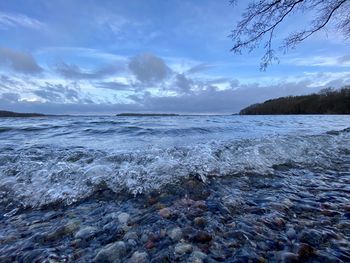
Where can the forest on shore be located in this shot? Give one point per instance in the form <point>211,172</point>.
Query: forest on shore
<point>6,114</point>
<point>327,101</point>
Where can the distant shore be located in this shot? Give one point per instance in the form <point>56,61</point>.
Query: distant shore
<point>5,114</point>
<point>326,102</point>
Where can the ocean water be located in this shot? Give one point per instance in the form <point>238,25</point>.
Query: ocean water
<point>63,164</point>
<point>52,159</point>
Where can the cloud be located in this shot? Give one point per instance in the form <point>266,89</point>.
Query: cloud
<point>212,100</point>
<point>63,99</point>
<point>344,59</point>
<point>7,83</point>
<point>10,97</point>
<point>114,85</point>
<point>199,68</point>
<point>10,20</point>
<point>321,61</point>
<point>19,61</point>
<point>149,69</point>
<point>112,23</point>
<point>183,83</point>
<point>71,71</point>
<point>58,93</point>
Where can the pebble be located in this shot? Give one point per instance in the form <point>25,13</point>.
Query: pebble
<point>291,234</point>
<point>202,237</point>
<point>279,222</point>
<point>139,257</point>
<point>305,251</point>
<point>197,257</point>
<point>311,237</point>
<point>113,252</point>
<point>183,248</point>
<point>123,218</point>
<point>165,212</point>
<point>130,235</point>
<point>65,230</point>
<point>175,234</point>
<point>150,244</point>
<point>86,233</point>
<point>200,221</point>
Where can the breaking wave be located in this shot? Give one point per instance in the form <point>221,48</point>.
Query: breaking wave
<point>35,175</point>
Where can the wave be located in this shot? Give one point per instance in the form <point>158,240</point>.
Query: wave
<point>30,128</point>
<point>40,175</point>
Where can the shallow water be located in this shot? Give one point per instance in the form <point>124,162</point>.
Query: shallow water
<point>229,188</point>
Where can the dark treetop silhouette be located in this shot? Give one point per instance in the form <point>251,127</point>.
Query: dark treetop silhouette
<point>326,102</point>
<point>19,114</point>
<point>261,19</point>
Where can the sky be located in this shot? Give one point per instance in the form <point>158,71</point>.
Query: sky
<point>107,57</point>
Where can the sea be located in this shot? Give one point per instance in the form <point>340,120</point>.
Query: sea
<point>206,188</point>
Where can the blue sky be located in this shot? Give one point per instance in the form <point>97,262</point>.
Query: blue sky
<point>104,57</point>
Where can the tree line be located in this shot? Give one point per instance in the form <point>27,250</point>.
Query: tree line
<point>327,101</point>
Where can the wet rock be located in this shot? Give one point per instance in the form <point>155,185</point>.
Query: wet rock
<point>330,213</point>
<point>291,234</point>
<point>123,218</point>
<point>165,212</point>
<point>202,237</point>
<point>65,230</point>
<point>217,253</point>
<point>197,257</point>
<point>279,222</point>
<point>130,235</point>
<point>305,251</point>
<point>200,204</point>
<point>175,234</point>
<point>196,189</point>
<point>144,238</point>
<point>113,232</point>
<point>347,208</point>
<point>183,248</point>
<point>200,222</point>
<point>150,244</point>
<point>36,255</point>
<point>233,204</point>
<point>112,216</point>
<point>111,253</point>
<point>311,237</point>
<point>287,257</point>
<point>86,233</point>
<point>132,242</point>
<point>162,257</point>
<point>139,257</point>
<point>8,239</point>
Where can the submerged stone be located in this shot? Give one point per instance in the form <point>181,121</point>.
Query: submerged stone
<point>123,218</point>
<point>65,230</point>
<point>175,234</point>
<point>86,232</point>
<point>139,257</point>
<point>202,237</point>
<point>165,212</point>
<point>183,248</point>
<point>111,253</point>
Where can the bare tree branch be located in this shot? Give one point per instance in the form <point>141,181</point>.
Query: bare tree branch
<point>261,19</point>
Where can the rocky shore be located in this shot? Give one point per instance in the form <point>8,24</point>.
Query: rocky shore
<point>251,218</point>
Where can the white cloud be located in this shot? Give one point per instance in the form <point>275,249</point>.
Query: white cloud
<point>9,20</point>
<point>321,61</point>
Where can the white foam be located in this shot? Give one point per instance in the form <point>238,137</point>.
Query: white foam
<point>45,176</point>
